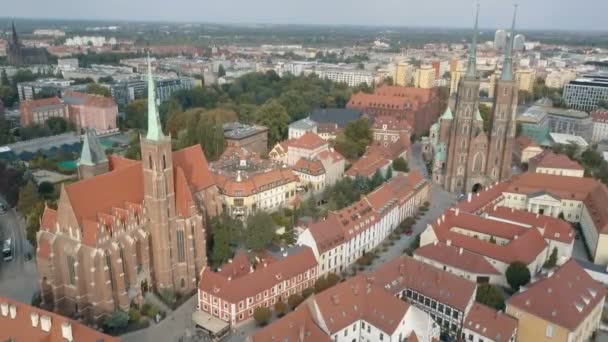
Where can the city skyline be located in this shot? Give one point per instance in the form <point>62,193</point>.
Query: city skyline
<point>454,14</point>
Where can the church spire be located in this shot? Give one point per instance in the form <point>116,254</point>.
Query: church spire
<point>472,64</point>
<point>155,131</point>
<point>507,66</point>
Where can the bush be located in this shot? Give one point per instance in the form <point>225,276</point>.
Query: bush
<point>280,308</point>
<point>552,261</point>
<point>294,300</point>
<point>490,296</point>
<point>134,315</point>
<point>332,279</point>
<point>168,296</point>
<point>262,315</point>
<point>308,292</point>
<point>116,321</point>
<point>517,275</point>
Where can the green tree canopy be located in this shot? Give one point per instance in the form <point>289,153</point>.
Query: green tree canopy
<point>517,275</point>
<point>400,165</point>
<point>225,234</point>
<point>280,308</point>
<point>96,89</point>
<point>274,116</point>
<point>491,296</point>
<point>28,198</point>
<point>136,114</point>
<point>262,315</point>
<point>552,260</point>
<point>260,231</point>
<point>117,320</point>
<point>221,72</point>
<point>294,300</point>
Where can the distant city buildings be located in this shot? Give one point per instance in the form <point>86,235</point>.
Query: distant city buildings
<point>600,125</point>
<point>586,93</point>
<point>46,86</point>
<point>351,76</point>
<point>425,77</point>
<point>19,55</point>
<point>526,78</point>
<point>500,40</point>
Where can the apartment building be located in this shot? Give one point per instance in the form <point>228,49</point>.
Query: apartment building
<point>526,78</point>
<point>600,125</point>
<point>555,164</point>
<point>484,324</point>
<point>425,77</point>
<point>351,76</point>
<point>388,129</point>
<point>238,287</point>
<point>36,112</point>
<point>586,92</point>
<point>345,235</point>
<point>566,305</point>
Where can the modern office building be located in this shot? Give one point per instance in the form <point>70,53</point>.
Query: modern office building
<point>570,121</point>
<point>126,91</point>
<point>519,42</point>
<point>586,92</point>
<point>500,40</point>
<point>351,76</point>
<point>48,87</point>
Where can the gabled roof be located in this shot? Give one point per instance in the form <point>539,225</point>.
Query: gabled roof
<point>577,293</point>
<point>461,259</point>
<point>556,161</point>
<point>447,115</point>
<point>296,326</point>
<point>309,141</point>
<point>493,325</point>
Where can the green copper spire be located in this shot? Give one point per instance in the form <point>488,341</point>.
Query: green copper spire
<point>507,66</point>
<point>92,151</point>
<point>155,131</point>
<point>472,64</point>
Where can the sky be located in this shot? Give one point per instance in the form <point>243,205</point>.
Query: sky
<point>533,14</point>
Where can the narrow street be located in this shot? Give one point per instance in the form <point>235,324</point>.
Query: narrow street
<point>18,278</point>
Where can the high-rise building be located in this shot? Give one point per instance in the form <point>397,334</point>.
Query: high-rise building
<point>455,79</point>
<point>500,40</point>
<point>587,92</point>
<point>525,79</point>
<point>466,158</point>
<point>127,226</point>
<point>519,42</point>
<point>425,77</point>
<point>403,74</point>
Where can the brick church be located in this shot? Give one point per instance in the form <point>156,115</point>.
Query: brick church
<point>126,223</point>
<point>465,157</point>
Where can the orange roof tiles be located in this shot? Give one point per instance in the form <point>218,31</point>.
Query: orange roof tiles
<point>368,164</point>
<point>554,228</point>
<point>332,154</point>
<point>196,169</point>
<point>577,292</point>
<point>256,183</point>
<point>49,219</point>
<point>238,267</point>
<point>524,142</point>
<point>406,272</point>
<point>118,162</point>
<point>20,328</point>
<point>327,233</point>
<point>298,325</point>
<point>310,167</point>
<point>453,256</point>
<point>356,299</point>
<point>557,161</point>
<point>309,141</point>
<point>262,278</point>
<point>493,325</point>
<point>392,123</point>
<point>28,105</point>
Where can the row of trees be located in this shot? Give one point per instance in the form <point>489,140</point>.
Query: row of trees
<point>356,138</point>
<point>591,159</point>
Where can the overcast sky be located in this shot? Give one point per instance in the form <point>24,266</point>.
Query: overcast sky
<point>534,14</point>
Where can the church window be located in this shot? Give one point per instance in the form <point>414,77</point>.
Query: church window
<point>138,256</point>
<point>109,265</point>
<point>71,269</point>
<point>181,255</point>
<point>193,238</point>
<point>164,162</point>
<point>150,161</point>
<point>183,283</point>
<point>124,265</point>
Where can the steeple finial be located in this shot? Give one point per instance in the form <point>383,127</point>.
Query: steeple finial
<point>92,151</point>
<point>507,65</point>
<point>472,65</point>
<point>155,132</point>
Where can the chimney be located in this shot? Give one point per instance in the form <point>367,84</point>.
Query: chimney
<point>4,309</point>
<point>35,318</point>
<point>460,251</point>
<point>13,311</point>
<point>66,331</point>
<point>449,242</point>
<point>469,197</point>
<point>45,323</point>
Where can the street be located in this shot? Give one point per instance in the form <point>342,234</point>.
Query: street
<point>18,278</point>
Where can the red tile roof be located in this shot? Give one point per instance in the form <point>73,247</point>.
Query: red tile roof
<point>196,169</point>
<point>49,219</point>
<point>327,233</point>
<point>577,293</point>
<point>310,167</point>
<point>489,323</point>
<point>406,272</point>
<point>457,258</point>
<point>484,198</point>
<point>554,228</point>
<point>237,267</point>
<point>90,99</point>
<point>332,154</point>
<point>229,186</point>
<point>392,123</point>
<point>20,328</point>
<point>524,142</point>
<point>555,161</point>
<point>298,325</point>
<point>308,141</point>
<point>368,164</point>
<point>261,279</point>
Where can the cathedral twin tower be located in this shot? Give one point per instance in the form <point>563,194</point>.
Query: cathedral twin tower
<point>466,158</point>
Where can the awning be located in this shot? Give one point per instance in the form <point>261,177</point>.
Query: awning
<point>212,324</point>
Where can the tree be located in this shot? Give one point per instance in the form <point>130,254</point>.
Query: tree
<point>117,320</point>
<point>4,78</point>
<point>294,300</point>
<point>225,232</point>
<point>260,231</point>
<point>552,261</point>
<point>262,315</point>
<point>389,173</point>
<point>274,116</point>
<point>136,114</point>
<point>377,179</point>
<point>106,79</point>
<point>96,89</point>
<point>280,308</point>
<point>221,72</point>
<point>400,165</point>
<point>33,222</point>
<point>517,275</point>
<point>490,296</point>
<point>321,284</point>
<point>28,198</point>
<point>332,279</point>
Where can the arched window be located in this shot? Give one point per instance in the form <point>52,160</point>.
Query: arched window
<point>164,162</point>
<point>183,281</point>
<point>150,161</point>
<point>138,256</point>
<point>124,265</point>
<point>478,162</point>
<point>109,265</point>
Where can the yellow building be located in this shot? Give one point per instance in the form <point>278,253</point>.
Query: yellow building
<point>425,77</point>
<point>565,306</point>
<point>455,78</point>
<point>403,74</point>
<point>525,78</point>
<point>492,87</point>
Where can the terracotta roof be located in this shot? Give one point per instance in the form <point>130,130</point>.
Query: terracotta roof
<point>392,123</point>
<point>455,257</point>
<point>489,323</point>
<point>49,219</point>
<point>327,233</point>
<point>237,267</point>
<point>332,154</point>
<point>310,167</point>
<point>196,169</point>
<point>363,100</point>
<point>31,104</point>
<point>409,92</point>
<point>524,244</point>
<point>73,97</point>
<point>577,292</point>
<point>556,161</point>
<point>483,198</point>
<point>298,325</point>
<point>392,150</point>
<point>117,162</point>
<point>406,272</point>
<point>261,279</point>
<point>524,142</point>
<point>554,228</point>
<point>308,140</point>
<point>20,328</point>
<point>255,183</point>
<point>395,190</point>
<point>183,195</point>
<point>356,299</point>
<point>368,164</point>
